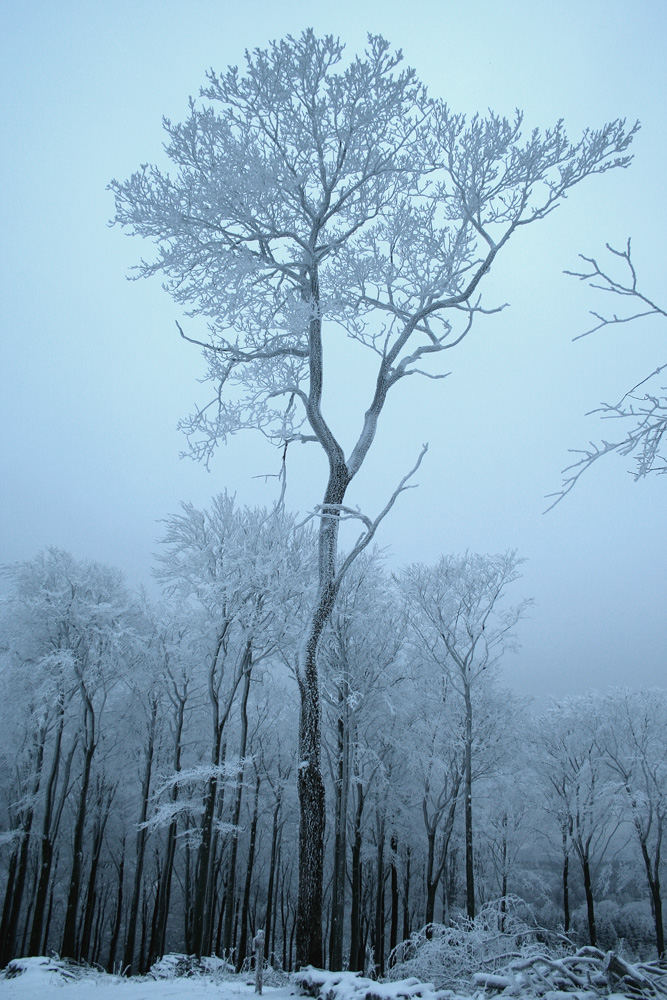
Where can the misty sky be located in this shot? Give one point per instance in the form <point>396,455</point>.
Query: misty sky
<point>95,377</point>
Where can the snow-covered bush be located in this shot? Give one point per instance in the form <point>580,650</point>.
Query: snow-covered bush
<point>39,966</point>
<point>450,955</point>
<point>175,965</point>
<point>353,986</point>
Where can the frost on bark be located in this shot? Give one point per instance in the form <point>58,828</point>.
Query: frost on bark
<point>308,193</point>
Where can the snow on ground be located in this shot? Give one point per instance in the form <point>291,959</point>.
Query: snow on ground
<point>46,979</point>
<point>42,980</point>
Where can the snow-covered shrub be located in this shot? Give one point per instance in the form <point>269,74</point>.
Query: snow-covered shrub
<point>450,955</point>
<point>353,986</point>
<point>175,965</point>
<point>39,966</point>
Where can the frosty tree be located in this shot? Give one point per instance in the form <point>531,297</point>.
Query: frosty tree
<point>312,196</point>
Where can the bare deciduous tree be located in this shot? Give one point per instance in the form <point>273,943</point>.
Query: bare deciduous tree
<point>459,622</point>
<point>308,197</point>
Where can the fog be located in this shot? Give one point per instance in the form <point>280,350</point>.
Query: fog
<point>95,376</point>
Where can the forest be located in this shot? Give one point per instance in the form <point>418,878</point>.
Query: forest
<point>288,738</point>
<point>149,756</point>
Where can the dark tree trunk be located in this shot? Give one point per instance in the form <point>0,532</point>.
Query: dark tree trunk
<point>236,811</point>
<point>118,917</point>
<point>378,927</point>
<point>68,947</point>
<point>590,906</point>
<point>245,909</point>
<point>19,862</point>
<point>103,803</point>
<point>406,895</point>
<point>340,830</point>
<point>566,885</point>
<point>158,937</point>
<point>310,784</point>
<point>48,836</point>
<point>99,924</point>
<point>393,929</point>
<point>356,945</point>
<point>268,930</point>
<point>653,878</point>
<point>470,869</point>
<point>128,954</point>
<point>49,909</point>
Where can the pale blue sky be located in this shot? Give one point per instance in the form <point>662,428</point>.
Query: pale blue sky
<point>95,377</point>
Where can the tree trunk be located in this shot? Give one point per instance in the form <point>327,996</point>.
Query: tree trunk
<point>653,878</point>
<point>46,845</point>
<point>49,909</point>
<point>470,870</point>
<point>268,932</point>
<point>68,948</point>
<point>128,954</point>
<point>340,831</point>
<point>590,907</point>
<point>158,938</point>
<point>236,812</point>
<point>356,945</point>
<point>406,896</point>
<point>19,862</point>
<point>378,928</point>
<point>243,940</point>
<point>393,929</point>
<point>103,808</point>
<point>310,784</point>
<point>566,885</point>
<point>118,918</point>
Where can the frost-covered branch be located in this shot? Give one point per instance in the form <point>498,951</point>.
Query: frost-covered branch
<point>642,410</point>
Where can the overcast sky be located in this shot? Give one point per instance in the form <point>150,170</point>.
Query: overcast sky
<point>94,376</point>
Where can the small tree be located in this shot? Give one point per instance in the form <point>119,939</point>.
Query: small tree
<point>458,621</point>
<point>308,197</point>
<point>633,743</point>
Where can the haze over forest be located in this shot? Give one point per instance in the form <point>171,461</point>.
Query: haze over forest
<point>301,677</point>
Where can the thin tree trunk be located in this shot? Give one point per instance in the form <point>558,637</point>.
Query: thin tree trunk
<point>590,906</point>
<point>49,909</point>
<point>118,918</point>
<point>128,953</point>
<point>393,929</point>
<point>19,863</point>
<point>68,947</point>
<point>157,945</point>
<point>566,885</point>
<point>356,947</point>
<point>378,943</point>
<point>406,895</point>
<point>268,935</point>
<point>236,812</point>
<point>470,869</point>
<point>46,844</point>
<point>243,940</point>
<point>340,831</point>
<point>103,808</point>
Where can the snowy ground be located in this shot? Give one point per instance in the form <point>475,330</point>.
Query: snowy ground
<point>43,979</point>
<point>36,983</point>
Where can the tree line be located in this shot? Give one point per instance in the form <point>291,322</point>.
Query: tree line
<point>150,757</point>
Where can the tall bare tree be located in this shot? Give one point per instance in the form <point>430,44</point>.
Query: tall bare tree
<point>308,197</point>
